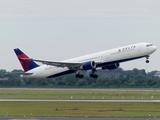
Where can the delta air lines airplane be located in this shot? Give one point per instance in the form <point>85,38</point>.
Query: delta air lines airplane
<point>109,59</point>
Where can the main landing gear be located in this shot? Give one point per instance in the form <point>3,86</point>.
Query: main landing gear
<point>82,76</point>
<point>79,76</point>
<point>147,61</point>
<point>93,75</point>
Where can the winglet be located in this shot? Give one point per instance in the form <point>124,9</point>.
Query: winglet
<point>26,63</point>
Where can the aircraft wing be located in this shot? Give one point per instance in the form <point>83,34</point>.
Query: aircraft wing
<point>69,65</point>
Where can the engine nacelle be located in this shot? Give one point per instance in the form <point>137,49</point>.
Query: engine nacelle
<point>110,67</point>
<point>88,65</point>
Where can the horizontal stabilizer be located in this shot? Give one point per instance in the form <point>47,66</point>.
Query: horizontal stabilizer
<point>20,73</point>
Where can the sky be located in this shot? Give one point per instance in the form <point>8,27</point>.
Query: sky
<point>61,29</point>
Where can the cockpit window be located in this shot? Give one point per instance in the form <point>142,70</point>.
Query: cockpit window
<point>149,45</point>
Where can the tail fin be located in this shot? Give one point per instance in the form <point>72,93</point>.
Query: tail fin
<point>26,64</point>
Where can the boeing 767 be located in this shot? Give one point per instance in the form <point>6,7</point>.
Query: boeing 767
<point>109,59</point>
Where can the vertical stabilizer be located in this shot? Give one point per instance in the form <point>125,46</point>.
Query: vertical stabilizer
<point>26,64</point>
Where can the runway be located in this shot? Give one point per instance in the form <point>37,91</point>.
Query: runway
<point>56,100</point>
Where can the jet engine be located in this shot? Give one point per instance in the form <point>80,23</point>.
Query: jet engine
<point>110,67</point>
<point>88,65</point>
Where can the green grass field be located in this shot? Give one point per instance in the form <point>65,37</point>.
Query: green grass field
<point>80,109</point>
<point>81,93</point>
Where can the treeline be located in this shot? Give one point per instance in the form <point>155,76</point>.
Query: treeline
<point>117,78</point>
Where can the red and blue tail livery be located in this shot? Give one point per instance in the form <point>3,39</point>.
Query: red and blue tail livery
<point>26,64</point>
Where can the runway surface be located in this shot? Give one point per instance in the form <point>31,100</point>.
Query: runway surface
<point>71,100</point>
<point>72,118</point>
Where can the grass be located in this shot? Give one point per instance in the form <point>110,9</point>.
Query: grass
<point>81,93</point>
<point>80,109</point>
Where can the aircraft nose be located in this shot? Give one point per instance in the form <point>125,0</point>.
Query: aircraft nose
<point>154,48</point>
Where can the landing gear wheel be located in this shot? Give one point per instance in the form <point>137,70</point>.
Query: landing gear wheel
<point>147,61</point>
<point>79,76</point>
<point>93,76</point>
<point>147,57</point>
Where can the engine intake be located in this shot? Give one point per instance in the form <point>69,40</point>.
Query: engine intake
<point>88,65</point>
<point>111,67</point>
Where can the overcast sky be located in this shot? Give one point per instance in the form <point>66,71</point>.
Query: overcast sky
<point>62,29</point>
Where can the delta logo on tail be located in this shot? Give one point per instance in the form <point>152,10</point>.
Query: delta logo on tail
<point>26,64</point>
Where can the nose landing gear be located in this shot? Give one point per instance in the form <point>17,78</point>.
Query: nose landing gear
<point>147,57</point>
<point>147,61</point>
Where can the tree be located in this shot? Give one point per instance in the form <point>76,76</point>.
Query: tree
<point>2,73</point>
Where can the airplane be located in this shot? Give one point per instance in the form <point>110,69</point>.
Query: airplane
<point>108,59</point>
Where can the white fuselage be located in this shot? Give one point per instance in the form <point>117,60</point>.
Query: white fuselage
<point>108,57</point>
